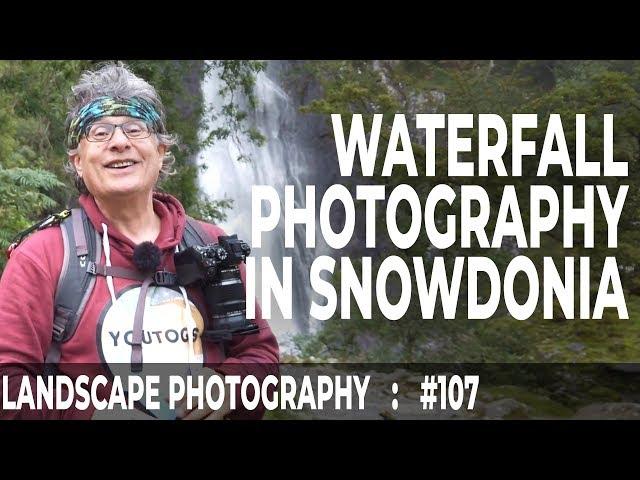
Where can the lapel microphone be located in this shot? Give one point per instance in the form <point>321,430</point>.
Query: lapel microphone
<point>146,257</point>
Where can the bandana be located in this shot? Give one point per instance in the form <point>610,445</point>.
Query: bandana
<point>108,106</point>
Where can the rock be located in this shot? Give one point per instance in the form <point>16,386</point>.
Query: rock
<point>397,375</point>
<point>486,396</point>
<point>506,408</point>
<point>576,347</point>
<point>398,350</point>
<point>609,411</point>
<point>367,341</point>
<point>413,395</point>
<point>479,410</point>
<point>387,415</point>
<point>429,347</point>
<point>415,379</point>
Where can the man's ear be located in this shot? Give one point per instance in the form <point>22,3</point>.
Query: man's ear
<point>75,160</point>
<point>162,150</point>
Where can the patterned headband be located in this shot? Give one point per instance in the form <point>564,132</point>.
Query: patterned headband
<point>108,106</point>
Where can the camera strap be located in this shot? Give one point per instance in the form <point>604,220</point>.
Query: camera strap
<point>136,342</point>
<point>194,234</point>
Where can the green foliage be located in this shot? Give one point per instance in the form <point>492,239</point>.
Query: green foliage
<point>21,190</point>
<point>237,80</point>
<point>32,111</point>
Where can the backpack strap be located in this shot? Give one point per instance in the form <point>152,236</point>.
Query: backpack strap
<point>194,234</point>
<point>81,246</point>
<point>80,268</point>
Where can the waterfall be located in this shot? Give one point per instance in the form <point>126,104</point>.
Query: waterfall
<point>297,152</point>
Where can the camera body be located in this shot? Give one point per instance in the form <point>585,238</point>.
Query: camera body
<point>215,267</point>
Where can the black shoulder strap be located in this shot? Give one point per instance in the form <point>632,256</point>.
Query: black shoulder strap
<point>194,234</point>
<point>81,246</point>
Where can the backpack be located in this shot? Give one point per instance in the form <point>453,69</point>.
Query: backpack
<point>81,266</point>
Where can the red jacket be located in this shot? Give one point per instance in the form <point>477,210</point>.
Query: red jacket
<point>27,291</point>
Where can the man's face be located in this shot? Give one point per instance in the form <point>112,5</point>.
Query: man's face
<point>120,166</point>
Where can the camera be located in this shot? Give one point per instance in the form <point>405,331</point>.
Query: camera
<point>215,267</point>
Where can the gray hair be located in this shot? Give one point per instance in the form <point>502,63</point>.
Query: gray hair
<point>118,81</point>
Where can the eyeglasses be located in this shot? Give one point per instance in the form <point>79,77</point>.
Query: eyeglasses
<point>102,132</point>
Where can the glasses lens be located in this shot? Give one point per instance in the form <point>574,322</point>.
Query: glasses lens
<point>136,129</point>
<point>100,132</point>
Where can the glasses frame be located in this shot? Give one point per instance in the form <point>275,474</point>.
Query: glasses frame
<point>116,125</point>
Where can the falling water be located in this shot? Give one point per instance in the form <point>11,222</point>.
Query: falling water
<point>297,152</point>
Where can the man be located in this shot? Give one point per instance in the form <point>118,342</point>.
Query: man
<point>119,148</point>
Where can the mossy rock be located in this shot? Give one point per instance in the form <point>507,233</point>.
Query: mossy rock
<point>602,393</point>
